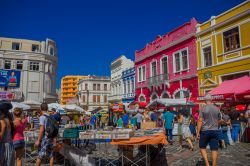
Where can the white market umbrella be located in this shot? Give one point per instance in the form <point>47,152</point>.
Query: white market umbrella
<point>32,103</point>
<point>56,106</point>
<point>73,107</point>
<point>20,105</point>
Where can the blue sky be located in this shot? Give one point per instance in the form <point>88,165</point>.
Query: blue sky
<point>91,33</point>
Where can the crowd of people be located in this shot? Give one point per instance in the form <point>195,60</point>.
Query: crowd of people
<point>213,126</point>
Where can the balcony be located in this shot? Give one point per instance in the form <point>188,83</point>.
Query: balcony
<point>157,80</point>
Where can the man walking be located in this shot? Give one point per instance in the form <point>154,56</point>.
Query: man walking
<point>44,144</point>
<point>207,129</point>
<point>168,118</point>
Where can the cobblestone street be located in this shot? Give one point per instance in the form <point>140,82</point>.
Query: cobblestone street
<point>237,155</point>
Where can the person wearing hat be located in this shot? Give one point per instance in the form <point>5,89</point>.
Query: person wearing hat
<point>7,157</point>
<point>207,129</point>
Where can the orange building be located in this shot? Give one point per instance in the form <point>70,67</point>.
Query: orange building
<point>69,85</point>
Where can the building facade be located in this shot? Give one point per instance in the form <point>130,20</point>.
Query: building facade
<point>223,47</point>
<point>93,92</point>
<point>69,89</point>
<point>166,67</point>
<point>117,66</point>
<point>128,80</point>
<point>33,68</point>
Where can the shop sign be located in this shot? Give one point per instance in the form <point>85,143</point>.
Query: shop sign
<point>6,95</point>
<point>208,74</point>
<point>10,78</point>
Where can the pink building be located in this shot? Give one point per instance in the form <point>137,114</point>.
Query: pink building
<point>166,67</point>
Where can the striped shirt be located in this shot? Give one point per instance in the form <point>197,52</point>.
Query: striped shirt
<point>36,122</point>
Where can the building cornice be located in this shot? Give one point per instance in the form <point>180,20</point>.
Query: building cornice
<point>246,12</point>
<point>165,47</point>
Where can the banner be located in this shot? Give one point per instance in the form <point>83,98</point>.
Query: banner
<point>5,95</point>
<point>10,78</point>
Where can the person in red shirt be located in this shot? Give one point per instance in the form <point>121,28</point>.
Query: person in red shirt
<point>18,139</point>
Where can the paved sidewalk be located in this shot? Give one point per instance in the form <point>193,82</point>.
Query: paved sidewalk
<point>237,155</point>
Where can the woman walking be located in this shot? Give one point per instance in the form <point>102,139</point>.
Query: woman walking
<point>18,139</point>
<point>185,129</point>
<point>6,134</point>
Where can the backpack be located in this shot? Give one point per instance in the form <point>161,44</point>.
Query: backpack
<point>51,128</point>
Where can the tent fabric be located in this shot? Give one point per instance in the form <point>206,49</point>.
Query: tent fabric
<point>145,140</point>
<point>235,87</point>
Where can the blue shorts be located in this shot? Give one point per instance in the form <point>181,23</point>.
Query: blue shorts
<point>46,148</point>
<point>210,137</point>
<point>18,144</point>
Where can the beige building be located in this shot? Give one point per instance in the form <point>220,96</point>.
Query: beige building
<point>69,89</point>
<point>37,63</point>
<point>93,92</point>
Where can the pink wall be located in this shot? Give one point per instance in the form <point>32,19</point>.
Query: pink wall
<point>167,40</point>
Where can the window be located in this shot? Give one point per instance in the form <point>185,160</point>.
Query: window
<point>98,87</point>
<point>177,62</point>
<point>34,66</point>
<point>153,69</point>
<point>98,98</point>
<point>19,65</point>
<point>184,60</point>
<point>142,98</point>
<point>94,98</point>
<point>181,60</point>
<point>231,39</point>
<point>164,65</point>
<point>165,96</point>
<point>94,86</point>
<point>128,86</point>
<point>15,46</point>
<point>86,86</point>
<point>133,88</point>
<point>124,85</point>
<point>35,48</point>
<point>51,51</point>
<point>105,99</point>
<point>142,73</point>
<point>207,56</point>
<point>83,98</point>
<point>7,64</point>
<point>105,87</point>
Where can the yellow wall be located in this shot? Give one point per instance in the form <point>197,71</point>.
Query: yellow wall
<point>224,63</point>
<point>69,87</point>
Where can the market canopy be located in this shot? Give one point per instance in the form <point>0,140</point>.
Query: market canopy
<point>20,105</point>
<point>170,102</point>
<point>231,89</point>
<point>33,104</point>
<point>73,107</point>
<point>56,106</point>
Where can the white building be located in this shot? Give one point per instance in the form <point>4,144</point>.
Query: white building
<point>93,92</point>
<point>117,87</point>
<point>35,62</point>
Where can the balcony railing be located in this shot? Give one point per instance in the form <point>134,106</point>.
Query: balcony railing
<point>157,80</point>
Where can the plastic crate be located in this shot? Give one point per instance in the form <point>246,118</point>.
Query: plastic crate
<point>122,135</point>
<point>103,135</point>
<point>71,133</point>
<point>86,135</point>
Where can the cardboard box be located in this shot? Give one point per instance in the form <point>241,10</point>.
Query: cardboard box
<point>148,125</point>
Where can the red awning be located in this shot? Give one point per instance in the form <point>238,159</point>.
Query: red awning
<point>236,88</point>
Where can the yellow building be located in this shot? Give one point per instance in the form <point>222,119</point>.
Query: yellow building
<point>223,47</point>
<point>69,88</point>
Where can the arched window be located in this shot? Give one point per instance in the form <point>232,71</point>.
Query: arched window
<point>165,96</point>
<point>154,96</point>
<point>142,98</point>
<point>181,94</point>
